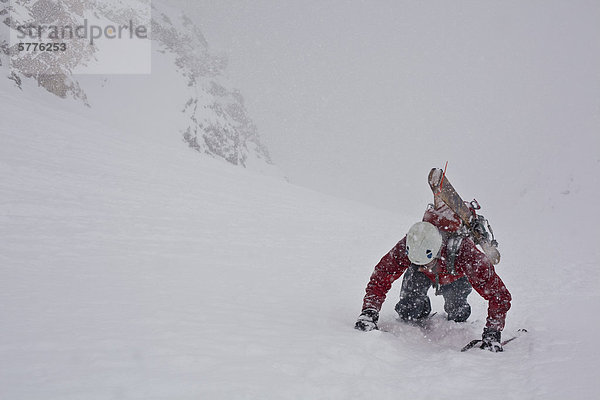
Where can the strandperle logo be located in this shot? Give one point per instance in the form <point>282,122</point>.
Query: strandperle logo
<point>54,37</point>
<point>85,31</point>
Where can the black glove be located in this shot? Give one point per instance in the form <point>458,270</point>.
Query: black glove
<point>367,320</point>
<point>490,340</point>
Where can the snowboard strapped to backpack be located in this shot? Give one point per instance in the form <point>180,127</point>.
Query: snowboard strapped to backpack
<point>473,225</point>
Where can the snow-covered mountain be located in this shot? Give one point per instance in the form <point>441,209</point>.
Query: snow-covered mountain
<point>131,268</point>
<point>186,96</point>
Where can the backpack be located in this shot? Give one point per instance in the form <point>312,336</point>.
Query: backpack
<point>454,230</point>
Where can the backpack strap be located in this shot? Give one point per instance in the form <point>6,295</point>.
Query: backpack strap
<point>452,249</point>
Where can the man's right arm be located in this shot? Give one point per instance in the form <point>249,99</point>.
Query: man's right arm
<point>390,268</point>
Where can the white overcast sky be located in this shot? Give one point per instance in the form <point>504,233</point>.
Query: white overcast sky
<point>361,98</point>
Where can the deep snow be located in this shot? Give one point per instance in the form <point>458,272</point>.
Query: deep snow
<point>135,269</point>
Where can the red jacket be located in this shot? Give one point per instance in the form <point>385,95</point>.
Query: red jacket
<point>470,262</point>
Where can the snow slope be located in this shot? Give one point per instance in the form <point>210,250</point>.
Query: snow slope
<point>134,269</point>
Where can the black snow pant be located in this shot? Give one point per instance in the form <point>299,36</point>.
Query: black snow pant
<point>414,303</point>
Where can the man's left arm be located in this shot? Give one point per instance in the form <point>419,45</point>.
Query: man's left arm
<point>481,274</point>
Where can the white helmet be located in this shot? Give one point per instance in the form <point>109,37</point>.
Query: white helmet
<point>423,242</point>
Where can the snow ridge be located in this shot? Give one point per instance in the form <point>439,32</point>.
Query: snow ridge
<point>211,117</point>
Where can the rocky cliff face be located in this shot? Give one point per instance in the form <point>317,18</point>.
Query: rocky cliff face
<point>208,115</point>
